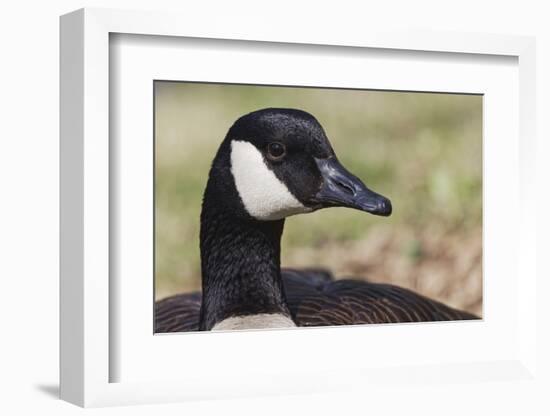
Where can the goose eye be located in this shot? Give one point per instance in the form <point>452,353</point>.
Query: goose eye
<point>276,150</point>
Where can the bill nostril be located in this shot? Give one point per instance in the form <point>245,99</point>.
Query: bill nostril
<point>348,188</point>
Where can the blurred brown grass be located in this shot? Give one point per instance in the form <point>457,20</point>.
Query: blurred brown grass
<point>422,150</point>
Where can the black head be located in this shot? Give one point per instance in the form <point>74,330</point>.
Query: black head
<point>282,164</point>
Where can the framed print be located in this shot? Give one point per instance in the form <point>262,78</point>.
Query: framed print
<point>184,153</point>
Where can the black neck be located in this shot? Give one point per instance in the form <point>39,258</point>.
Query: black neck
<point>240,259</point>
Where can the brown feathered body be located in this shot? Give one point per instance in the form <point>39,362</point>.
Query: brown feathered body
<point>316,299</point>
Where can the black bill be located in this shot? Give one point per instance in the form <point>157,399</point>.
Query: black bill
<point>342,189</point>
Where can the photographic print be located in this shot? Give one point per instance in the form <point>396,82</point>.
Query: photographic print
<point>281,207</point>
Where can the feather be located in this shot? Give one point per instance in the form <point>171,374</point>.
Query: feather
<point>316,299</point>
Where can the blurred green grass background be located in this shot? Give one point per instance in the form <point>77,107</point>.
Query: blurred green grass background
<point>422,150</point>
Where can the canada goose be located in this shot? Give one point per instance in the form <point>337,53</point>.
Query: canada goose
<point>274,163</point>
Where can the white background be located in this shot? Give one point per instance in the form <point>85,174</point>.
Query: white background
<point>29,205</point>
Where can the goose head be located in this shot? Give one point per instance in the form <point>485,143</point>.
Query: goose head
<point>273,163</point>
<point>283,164</point>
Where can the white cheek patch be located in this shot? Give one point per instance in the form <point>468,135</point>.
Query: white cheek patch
<point>264,196</point>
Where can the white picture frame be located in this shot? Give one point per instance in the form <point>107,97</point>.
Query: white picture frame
<point>87,356</point>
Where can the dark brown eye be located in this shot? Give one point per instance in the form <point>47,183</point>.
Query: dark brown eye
<point>276,150</point>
